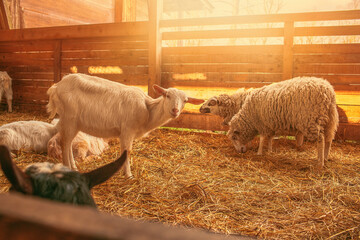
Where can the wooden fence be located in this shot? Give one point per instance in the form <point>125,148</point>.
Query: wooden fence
<point>159,51</point>
<point>250,65</point>
<point>32,218</point>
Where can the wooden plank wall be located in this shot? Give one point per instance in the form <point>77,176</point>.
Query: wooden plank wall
<point>44,13</point>
<point>31,65</point>
<point>206,70</point>
<point>36,60</point>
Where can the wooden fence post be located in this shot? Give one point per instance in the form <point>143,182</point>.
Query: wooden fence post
<point>4,18</point>
<point>118,10</point>
<point>57,60</point>
<point>288,54</point>
<point>155,12</point>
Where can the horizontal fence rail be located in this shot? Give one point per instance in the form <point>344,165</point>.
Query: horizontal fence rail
<point>203,56</point>
<point>43,219</point>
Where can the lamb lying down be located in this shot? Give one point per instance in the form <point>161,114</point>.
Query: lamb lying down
<point>84,146</point>
<point>27,135</point>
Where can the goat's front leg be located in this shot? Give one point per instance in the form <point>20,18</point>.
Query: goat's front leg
<point>9,97</point>
<point>126,144</point>
<point>67,136</point>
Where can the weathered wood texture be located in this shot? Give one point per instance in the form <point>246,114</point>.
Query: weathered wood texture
<point>4,19</point>
<point>24,217</point>
<point>44,13</point>
<point>132,53</point>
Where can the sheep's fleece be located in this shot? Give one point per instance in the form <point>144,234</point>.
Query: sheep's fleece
<point>304,104</point>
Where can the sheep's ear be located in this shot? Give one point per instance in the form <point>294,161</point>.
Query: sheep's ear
<point>159,90</point>
<point>195,101</point>
<point>103,173</point>
<point>18,179</point>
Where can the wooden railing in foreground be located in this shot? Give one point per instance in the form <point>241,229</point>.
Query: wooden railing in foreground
<point>24,217</point>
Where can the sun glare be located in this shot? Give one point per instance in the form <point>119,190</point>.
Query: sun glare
<point>105,70</point>
<point>189,76</point>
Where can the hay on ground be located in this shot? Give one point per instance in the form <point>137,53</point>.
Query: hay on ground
<point>199,180</point>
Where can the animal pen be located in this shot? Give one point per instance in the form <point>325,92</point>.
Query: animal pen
<point>229,53</point>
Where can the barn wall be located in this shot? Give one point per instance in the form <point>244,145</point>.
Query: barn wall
<point>204,57</point>
<point>44,13</point>
<point>119,52</point>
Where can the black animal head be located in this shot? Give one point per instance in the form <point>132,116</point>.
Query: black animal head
<point>55,181</point>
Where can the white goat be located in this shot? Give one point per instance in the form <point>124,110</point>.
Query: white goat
<point>103,108</point>
<point>5,87</point>
<point>83,146</point>
<point>27,135</point>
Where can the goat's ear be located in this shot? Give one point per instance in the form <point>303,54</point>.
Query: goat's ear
<point>103,173</point>
<point>195,101</point>
<point>18,179</point>
<point>159,90</point>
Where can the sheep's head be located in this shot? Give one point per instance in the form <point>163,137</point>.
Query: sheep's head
<point>175,100</point>
<point>211,106</point>
<point>240,134</point>
<point>222,106</point>
<point>55,181</point>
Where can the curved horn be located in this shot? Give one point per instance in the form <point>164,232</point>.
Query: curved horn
<point>103,173</point>
<point>18,179</point>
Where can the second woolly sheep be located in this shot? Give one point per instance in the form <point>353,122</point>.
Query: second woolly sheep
<point>304,104</point>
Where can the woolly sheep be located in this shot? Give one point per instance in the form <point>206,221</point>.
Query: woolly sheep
<point>5,87</point>
<point>226,106</point>
<point>27,135</point>
<point>104,108</point>
<point>304,104</point>
<point>55,181</point>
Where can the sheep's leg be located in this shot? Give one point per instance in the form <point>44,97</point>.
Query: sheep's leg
<point>68,135</point>
<point>299,139</point>
<point>1,93</point>
<point>9,97</point>
<point>329,136</point>
<point>321,143</point>
<point>126,144</point>
<point>270,143</point>
<point>327,150</point>
<point>261,145</point>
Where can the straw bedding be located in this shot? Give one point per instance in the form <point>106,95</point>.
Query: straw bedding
<point>198,179</point>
